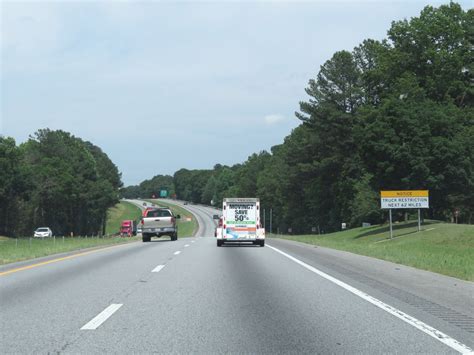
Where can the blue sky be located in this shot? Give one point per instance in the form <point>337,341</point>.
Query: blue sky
<point>161,86</point>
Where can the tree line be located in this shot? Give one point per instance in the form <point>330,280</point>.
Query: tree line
<point>150,188</point>
<point>391,114</point>
<point>57,180</point>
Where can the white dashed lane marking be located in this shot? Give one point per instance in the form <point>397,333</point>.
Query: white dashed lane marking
<point>102,317</point>
<point>177,252</point>
<point>158,268</point>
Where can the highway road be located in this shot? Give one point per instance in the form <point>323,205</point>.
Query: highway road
<point>189,296</point>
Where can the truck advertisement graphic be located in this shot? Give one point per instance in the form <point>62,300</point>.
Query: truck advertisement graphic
<point>241,222</point>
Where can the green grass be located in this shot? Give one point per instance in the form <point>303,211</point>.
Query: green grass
<point>122,211</point>
<point>440,247</point>
<point>186,227</point>
<point>12,250</point>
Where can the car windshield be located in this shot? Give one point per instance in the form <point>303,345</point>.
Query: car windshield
<point>42,230</point>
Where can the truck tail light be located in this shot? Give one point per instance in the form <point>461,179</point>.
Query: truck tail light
<point>142,222</point>
<point>224,226</point>
<point>173,220</point>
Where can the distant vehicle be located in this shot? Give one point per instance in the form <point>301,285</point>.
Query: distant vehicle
<point>241,222</point>
<point>144,203</point>
<point>139,229</point>
<point>43,232</point>
<point>185,202</point>
<point>216,216</point>
<point>219,225</point>
<point>128,228</point>
<point>146,210</point>
<point>158,222</point>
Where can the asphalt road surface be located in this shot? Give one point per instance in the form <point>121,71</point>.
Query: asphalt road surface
<point>189,296</point>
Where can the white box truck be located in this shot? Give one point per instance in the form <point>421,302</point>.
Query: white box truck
<point>241,222</point>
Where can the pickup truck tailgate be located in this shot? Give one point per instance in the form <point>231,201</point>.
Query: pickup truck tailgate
<point>157,219</point>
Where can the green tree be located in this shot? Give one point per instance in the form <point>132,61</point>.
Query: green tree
<point>436,48</point>
<point>366,204</point>
<point>73,186</point>
<point>12,185</point>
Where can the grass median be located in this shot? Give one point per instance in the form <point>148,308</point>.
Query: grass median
<point>122,211</point>
<point>187,224</point>
<point>439,247</point>
<point>25,248</point>
<point>18,249</point>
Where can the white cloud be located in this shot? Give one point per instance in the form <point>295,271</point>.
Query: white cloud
<point>273,119</point>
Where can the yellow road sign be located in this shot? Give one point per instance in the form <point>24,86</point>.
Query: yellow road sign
<point>404,199</point>
<point>404,193</point>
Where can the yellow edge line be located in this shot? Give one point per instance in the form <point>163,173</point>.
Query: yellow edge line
<point>59,259</point>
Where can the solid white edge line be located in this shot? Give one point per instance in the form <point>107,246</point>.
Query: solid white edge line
<point>445,339</point>
<point>177,252</point>
<point>158,268</point>
<point>95,322</point>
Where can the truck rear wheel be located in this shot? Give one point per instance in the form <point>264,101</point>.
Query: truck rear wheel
<point>174,236</point>
<point>262,243</point>
<point>146,238</point>
<point>219,242</point>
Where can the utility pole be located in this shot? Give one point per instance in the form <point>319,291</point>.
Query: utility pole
<point>271,212</point>
<point>264,217</point>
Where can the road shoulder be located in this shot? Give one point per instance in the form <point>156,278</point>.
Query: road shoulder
<point>439,300</point>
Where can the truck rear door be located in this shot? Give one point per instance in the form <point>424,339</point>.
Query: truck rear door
<point>241,220</point>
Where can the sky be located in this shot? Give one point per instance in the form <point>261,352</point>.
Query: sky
<point>161,86</point>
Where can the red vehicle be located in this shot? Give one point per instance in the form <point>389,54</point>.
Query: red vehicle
<point>128,228</point>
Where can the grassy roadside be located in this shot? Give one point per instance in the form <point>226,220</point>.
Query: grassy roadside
<point>187,224</point>
<point>18,249</point>
<point>440,247</point>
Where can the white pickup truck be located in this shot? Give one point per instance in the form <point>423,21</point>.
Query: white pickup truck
<point>241,222</point>
<point>158,222</point>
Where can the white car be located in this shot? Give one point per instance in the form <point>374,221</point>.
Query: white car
<point>43,232</point>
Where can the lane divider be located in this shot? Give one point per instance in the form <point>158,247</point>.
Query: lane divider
<point>177,252</point>
<point>186,245</point>
<point>425,328</point>
<point>60,259</point>
<point>95,322</point>
<point>158,268</point>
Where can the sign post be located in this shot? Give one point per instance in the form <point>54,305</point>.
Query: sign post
<point>419,220</point>
<point>404,199</point>
<point>390,217</point>
<point>271,212</point>
<point>264,218</point>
